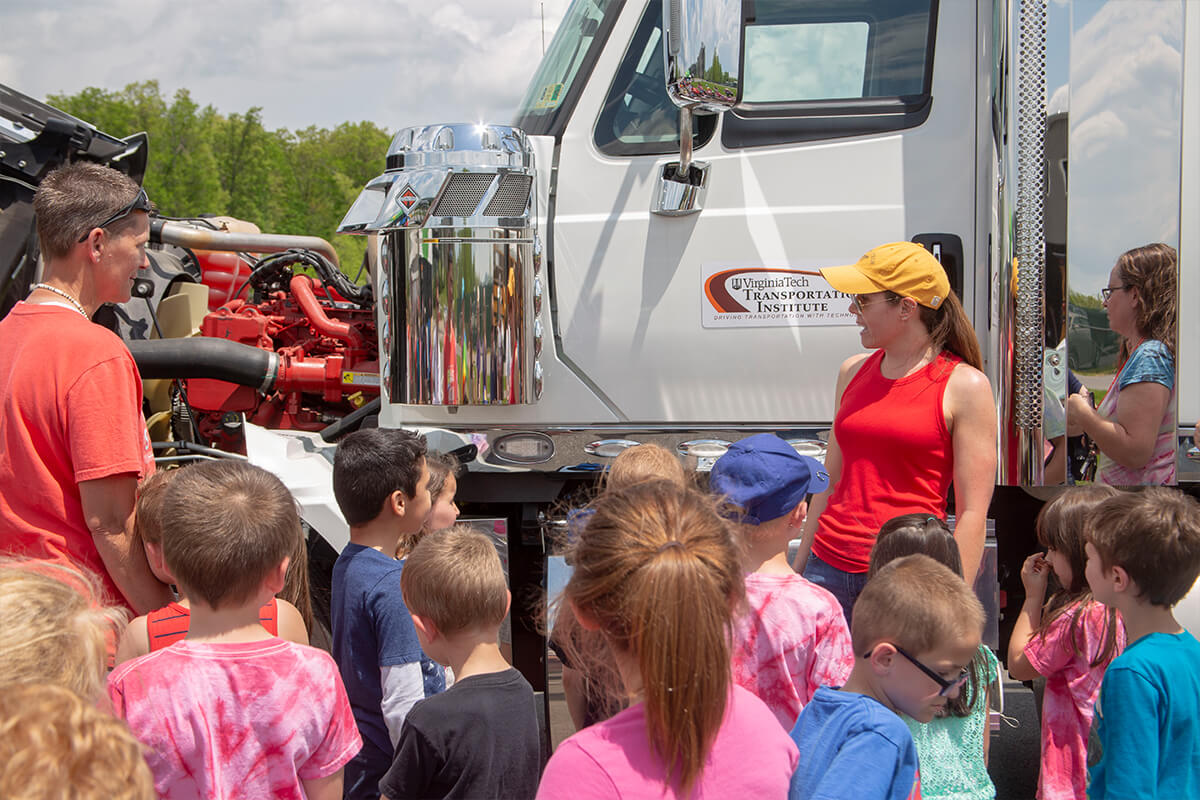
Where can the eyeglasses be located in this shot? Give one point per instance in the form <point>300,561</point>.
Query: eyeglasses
<point>947,685</point>
<point>140,202</point>
<point>861,301</point>
<point>1107,291</point>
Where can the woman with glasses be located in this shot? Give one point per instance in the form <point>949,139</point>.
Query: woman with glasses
<point>912,418</point>
<point>1134,425</point>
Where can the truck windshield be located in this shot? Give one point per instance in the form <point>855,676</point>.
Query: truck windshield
<point>553,90</point>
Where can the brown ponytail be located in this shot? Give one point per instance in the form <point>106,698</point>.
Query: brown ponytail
<point>950,329</point>
<point>659,572</point>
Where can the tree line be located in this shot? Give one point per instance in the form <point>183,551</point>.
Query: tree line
<point>204,162</point>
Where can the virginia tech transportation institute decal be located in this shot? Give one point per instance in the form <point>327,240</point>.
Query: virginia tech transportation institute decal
<point>754,297</point>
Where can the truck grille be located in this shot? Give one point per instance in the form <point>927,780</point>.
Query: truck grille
<point>462,194</point>
<point>511,198</point>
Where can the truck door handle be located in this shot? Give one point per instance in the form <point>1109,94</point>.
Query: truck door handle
<point>948,249</point>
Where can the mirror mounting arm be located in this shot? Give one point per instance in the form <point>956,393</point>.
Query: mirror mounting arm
<point>685,143</point>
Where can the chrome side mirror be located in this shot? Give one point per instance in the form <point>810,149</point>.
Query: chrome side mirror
<point>702,48</point>
<point>702,44</point>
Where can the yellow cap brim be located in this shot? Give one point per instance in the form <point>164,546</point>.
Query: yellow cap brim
<point>848,279</point>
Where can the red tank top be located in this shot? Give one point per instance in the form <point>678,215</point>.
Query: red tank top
<point>169,624</point>
<point>897,458</point>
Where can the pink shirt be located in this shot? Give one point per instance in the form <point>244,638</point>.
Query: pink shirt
<point>751,757</point>
<point>1071,691</point>
<point>792,640</point>
<point>236,720</point>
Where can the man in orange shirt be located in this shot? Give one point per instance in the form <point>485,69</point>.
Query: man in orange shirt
<point>72,440</point>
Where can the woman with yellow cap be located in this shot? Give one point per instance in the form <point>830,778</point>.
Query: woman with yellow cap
<point>912,418</point>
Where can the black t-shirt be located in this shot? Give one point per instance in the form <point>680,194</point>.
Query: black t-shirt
<point>478,739</point>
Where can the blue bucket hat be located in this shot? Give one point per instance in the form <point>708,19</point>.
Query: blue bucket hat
<point>766,477</point>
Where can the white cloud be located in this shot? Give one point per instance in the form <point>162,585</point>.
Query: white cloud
<point>305,62</point>
<point>1125,105</point>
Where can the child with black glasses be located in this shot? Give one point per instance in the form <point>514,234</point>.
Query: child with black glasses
<point>916,627</point>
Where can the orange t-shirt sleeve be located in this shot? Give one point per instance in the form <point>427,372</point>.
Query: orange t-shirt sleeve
<point>106,433</point>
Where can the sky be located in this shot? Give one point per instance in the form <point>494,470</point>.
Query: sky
<point>304,62</point>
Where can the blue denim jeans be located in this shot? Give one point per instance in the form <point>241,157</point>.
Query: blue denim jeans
<point>845,586</point>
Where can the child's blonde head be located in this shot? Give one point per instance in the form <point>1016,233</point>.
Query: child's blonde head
<point>455,579</point>
<point>916,603</point>
<point>53,628</point>
<point>55,744</point>
<point>231,524</point>
<point>149,511</point>
<point>1154,535</point>
<point>659,572</point>
<point>645,462</point>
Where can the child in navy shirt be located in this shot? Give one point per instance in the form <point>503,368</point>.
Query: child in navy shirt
<point>381,484</point>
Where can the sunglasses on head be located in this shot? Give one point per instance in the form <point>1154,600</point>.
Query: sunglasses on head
<point>946,685</point>
<point>140,202</point>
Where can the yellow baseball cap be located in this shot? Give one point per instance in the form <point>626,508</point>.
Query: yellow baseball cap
<point>906,268</point>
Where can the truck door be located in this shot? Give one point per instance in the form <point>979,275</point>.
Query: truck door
<point>860,128</point>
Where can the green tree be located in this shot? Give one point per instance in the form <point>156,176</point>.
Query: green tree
<point>203,162</point>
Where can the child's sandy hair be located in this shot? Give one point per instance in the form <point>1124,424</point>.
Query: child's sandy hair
<point>910,534</point>
<point>917,603</point>
<point>54,628</point>
<point>441,466</point>
<point>149,510</point>
<point>1063,525</point>
<point>456,580</point>
<point>55,744</point>
<point>231,524</point>
<point>1154,535</point>
<point>645,462</point>
<point>659,571</point>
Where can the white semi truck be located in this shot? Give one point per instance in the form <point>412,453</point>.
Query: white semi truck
<point>555,291</point>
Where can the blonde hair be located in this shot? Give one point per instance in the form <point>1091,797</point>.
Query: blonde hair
<point>148,511</point>
<point>54,744</point>
<point>456,580</point>
<point>645,462</point>
<point>53,628</point>
<point>659,572</point>
<point>916,603</point>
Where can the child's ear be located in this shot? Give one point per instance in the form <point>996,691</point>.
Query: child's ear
<point>425,626</point>
<point>883,657</point>
<point>796,518</point>
<point>507,601</point>
<point>277,577</point>
<point>1121,582</point>
<point>396,502</point>
<point>158,565</point>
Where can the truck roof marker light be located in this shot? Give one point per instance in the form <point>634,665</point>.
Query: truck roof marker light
<point>609,448</point>
<point>704,448</point>
<point>526,447</point>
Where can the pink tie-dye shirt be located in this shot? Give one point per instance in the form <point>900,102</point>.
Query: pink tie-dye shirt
<point>792,640</point>
<point>1072,687</point>
<point>236,720</point>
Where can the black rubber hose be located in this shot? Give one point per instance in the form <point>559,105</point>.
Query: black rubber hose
<point>350,422</point>
<point>205,357</point>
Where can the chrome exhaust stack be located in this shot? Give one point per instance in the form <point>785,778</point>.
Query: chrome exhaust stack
<point>455,266</point>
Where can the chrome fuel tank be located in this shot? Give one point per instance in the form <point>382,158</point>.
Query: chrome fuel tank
<point>455,266</point>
